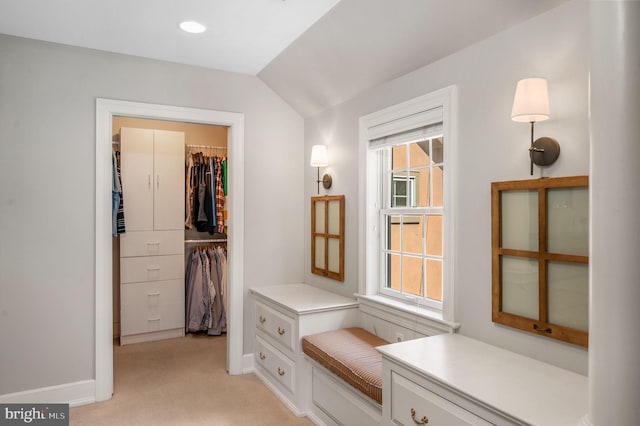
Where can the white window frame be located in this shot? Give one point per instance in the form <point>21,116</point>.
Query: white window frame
<point>405,117</point>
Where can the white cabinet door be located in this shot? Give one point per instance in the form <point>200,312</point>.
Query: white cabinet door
<point>152,170</point>
<point>136,170</point>
<point>169,181</point>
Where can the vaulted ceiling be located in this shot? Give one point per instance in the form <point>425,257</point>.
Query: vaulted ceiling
<point>314,54</point>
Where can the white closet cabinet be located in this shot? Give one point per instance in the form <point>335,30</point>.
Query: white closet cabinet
<point>152,249</point>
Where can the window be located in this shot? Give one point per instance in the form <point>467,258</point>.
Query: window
<point>408,151</point>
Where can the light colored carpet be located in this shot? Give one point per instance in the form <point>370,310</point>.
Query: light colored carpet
<point>183,382</point>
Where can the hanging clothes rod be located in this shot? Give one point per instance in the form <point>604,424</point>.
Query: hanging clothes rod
<point>210,240</point>
<point>205,147</point>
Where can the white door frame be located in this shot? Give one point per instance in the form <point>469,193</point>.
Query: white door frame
<point>105,110</point>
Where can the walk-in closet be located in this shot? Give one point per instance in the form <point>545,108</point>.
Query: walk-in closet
<point>170,189</point>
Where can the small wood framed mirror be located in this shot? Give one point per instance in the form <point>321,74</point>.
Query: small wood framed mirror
<point>327,236</point>
<point>540,256</point>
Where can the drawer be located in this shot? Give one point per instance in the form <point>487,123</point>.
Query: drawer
<point>151,268</point>
<point>276,363</point>
<point>410,402</point>
<point>151,306</point>
<point>151,243</point>
<point>277,325</point>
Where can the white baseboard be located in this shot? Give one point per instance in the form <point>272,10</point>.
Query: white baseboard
<point>74,394</point>
<point>248,365</point>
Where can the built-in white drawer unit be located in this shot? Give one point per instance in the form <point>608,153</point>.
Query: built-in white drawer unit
<point>152,306</point>
<point>273,361</point>
<point>151,268</point>
<point>452,380</point>
<point>151,243</point>
<point>284,314</point>
<point>277,325</point>
<point>412,404</point>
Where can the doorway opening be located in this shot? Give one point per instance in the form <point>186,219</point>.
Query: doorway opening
<point>106,109</point>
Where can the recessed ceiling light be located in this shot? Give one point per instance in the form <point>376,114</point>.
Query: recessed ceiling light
<point>192,27</point>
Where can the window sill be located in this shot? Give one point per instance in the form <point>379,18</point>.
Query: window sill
<point>421,319</point>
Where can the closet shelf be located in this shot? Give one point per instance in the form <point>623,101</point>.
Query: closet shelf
<point>206,147</point>
<point>209,240</point>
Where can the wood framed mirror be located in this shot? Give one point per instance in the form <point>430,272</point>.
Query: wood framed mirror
<point>327,236</point>
<point>540,256</point>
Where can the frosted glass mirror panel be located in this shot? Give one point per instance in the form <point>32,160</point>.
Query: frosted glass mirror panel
<point>520,286</point>
<point>568,220</point>
<point>334,217</point>
<point>319,260</point>
<point>319,222</point>
<point>519,219</point>
<point>569,294</point>
<point>334,255</point>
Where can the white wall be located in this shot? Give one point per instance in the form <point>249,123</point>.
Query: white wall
<point>47,193</point>
<point>491,148</point>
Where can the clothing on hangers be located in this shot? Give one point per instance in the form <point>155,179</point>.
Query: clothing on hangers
<point>205,290</point>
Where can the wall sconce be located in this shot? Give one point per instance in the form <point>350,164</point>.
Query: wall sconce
<point>319,159</point>
<point>531,104</point>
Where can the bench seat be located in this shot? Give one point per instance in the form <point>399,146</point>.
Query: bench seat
<point>350,354</point>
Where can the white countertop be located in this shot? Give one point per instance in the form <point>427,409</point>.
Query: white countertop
<point>532,391</point>
<point>303,298</point>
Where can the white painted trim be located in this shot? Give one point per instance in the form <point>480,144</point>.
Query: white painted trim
<point>154,335</point>
<point>105,110</point>
<point>418,319</point>
<point>369,194</point>
<point>277,392</point>
<point>74,394</point>
<point>248,363</point>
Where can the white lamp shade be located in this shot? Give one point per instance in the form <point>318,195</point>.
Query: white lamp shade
<point>531,101</point>
<point>319,156</point>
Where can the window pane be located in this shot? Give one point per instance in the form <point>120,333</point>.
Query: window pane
<point>568,220</point>
<point>393,271</point>
<point>319,261</point>
<point>438,150</point>
<point>519,219</point>
<point>393,228</point>
<point>419,187</point>
<point>412,233</point>
<point>568,286</point>
<point>419,154</point>
<point>399,190</point>
<point>412,275</point>
<point>436,176</point>
<point>520,286</point>
<point>399,157</point>
<point>434,279</point>
<point>434,235</point>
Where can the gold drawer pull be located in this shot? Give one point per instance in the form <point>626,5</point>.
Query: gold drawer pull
<point>262,356</point>
<point>280,371</point>
<point>423,421</point>
<point>281,331</point>
<point>262,319</point>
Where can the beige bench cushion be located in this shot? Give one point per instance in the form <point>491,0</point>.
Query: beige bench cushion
<point>350,354</point>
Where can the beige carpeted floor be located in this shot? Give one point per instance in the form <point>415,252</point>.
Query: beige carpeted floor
<point>183,382</point>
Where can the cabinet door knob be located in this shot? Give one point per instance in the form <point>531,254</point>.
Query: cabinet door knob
<point>262,356</point>
<point>280,371</point>
<point>262,319</point>
<point>422,421</point>
<point>281,331</point>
